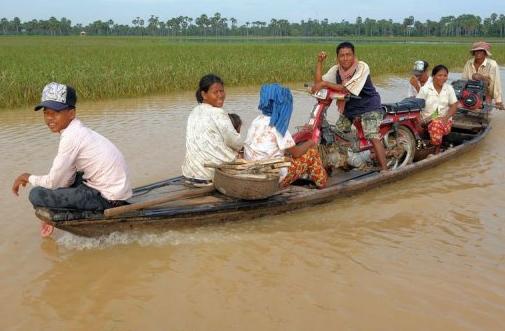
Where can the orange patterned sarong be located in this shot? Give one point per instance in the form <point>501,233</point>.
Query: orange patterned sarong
<point>309,163</point>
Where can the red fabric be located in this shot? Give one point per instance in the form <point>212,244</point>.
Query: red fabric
<point>309,163</point>
<point>438,130</point>
<point>346,75</point>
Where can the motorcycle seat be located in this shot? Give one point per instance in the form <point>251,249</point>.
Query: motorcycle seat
<point>405,106</point>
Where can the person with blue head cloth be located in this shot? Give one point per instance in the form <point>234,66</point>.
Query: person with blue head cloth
<point>268,137</point>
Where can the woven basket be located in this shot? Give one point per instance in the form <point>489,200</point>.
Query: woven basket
<point>244,186</point>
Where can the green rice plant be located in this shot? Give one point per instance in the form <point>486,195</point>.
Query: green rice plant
<point>113,67</point>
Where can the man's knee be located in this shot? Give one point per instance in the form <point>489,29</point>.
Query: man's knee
<point>371,124</point>
<point>37,196</point>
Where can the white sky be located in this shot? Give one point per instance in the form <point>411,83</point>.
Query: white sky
<point>123,11</point>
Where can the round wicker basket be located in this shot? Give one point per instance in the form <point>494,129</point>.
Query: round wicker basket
<point>247,187</point>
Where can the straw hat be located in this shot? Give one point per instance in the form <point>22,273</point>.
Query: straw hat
<point>481,46</point>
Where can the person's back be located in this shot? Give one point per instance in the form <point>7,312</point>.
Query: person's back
<point>268,137</point>
<point>101,162</point>
<point>264,142</point>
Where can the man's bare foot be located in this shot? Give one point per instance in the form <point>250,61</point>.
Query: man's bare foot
<point>46,229</point>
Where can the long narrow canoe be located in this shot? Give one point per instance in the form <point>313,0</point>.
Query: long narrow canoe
<point>215,207</point>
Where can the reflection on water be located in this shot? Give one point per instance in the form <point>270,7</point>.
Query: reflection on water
<point>423,253</point>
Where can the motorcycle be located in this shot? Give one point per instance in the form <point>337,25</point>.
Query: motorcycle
<point>400,129</point>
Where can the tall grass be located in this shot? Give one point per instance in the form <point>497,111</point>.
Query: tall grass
<point>116,67</point>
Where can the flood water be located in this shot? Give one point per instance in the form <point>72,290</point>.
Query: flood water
<point>424,253</point>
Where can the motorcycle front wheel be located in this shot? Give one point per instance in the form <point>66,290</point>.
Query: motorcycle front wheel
<point>400,146</point>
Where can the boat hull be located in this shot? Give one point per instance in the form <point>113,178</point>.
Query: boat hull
<point>216,208</point>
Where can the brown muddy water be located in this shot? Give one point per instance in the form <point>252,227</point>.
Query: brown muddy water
<point>425,253</point>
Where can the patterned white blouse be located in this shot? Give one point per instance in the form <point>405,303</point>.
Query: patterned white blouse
<point>436,101</point>
<point>264,142</point>
<point>210,138</point>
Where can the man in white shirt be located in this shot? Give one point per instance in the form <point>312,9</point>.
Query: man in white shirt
<point>481,67</point>
<point>105,182</point>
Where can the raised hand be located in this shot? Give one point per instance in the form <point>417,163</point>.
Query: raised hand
<point>321,56</point>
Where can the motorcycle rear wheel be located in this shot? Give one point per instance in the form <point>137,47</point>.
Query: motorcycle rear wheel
<point>400,147</point>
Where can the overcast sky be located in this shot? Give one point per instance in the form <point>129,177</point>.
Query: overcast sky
<point>123,11</point>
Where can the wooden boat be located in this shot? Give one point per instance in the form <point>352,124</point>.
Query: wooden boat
<point>214,207</point>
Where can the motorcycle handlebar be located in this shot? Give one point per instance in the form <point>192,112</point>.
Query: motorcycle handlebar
<point>347,96</point>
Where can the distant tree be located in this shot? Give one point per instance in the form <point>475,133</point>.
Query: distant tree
<point>359,22</point>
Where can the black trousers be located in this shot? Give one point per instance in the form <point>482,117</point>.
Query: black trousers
<point>78,196</point>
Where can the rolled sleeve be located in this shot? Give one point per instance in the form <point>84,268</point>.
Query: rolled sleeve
<point>230,136</point>
<point>331,75</point>
<point>451,95</point>
<point>497,93</point>
<point>62,173</point>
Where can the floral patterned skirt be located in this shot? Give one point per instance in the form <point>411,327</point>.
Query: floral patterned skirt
<point>309,163</point>
<point>438,130</point>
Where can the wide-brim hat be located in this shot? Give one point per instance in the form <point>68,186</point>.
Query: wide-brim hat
<point>481,46</point>
<point>58,97</point>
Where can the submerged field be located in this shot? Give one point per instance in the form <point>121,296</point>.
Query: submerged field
<point>100,67</point>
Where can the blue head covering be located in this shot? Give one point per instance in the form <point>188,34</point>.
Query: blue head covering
<point>276,101</point>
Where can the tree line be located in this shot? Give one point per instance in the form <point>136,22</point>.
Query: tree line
<point>216,25</point>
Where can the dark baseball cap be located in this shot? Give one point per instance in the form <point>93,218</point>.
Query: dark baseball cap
<point>58,97</point>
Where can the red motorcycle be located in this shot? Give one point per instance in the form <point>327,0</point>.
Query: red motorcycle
<point>400,129</point>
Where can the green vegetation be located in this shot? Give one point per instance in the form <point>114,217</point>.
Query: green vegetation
<point>216,25</point>
<point>109,67</point>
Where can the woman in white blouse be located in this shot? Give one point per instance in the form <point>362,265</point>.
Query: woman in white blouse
<point>441,105</point>
<point>210,135</point>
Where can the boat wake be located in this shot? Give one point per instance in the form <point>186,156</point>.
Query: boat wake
<point>171,238</point>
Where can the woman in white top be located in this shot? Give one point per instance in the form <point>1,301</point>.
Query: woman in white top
<point>210,135</point>
<point>441,105</point>
<point>268,137</point>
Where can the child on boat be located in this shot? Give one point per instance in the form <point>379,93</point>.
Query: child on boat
<point>236,121</point>
<point>105,182</point>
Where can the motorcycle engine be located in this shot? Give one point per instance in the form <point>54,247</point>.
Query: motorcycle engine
<point>470,93</point>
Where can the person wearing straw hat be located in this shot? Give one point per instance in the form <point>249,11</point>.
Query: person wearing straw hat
<point>481,67</point>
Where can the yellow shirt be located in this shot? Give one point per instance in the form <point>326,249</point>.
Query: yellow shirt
<point>488,68</point>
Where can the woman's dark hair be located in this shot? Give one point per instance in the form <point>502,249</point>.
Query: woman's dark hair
<point>345,44</point>
<point>236,121</point>
<point>204,85</point>
<point>437,68</point>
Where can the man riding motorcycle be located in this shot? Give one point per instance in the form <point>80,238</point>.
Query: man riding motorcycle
<point>352,76</point>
